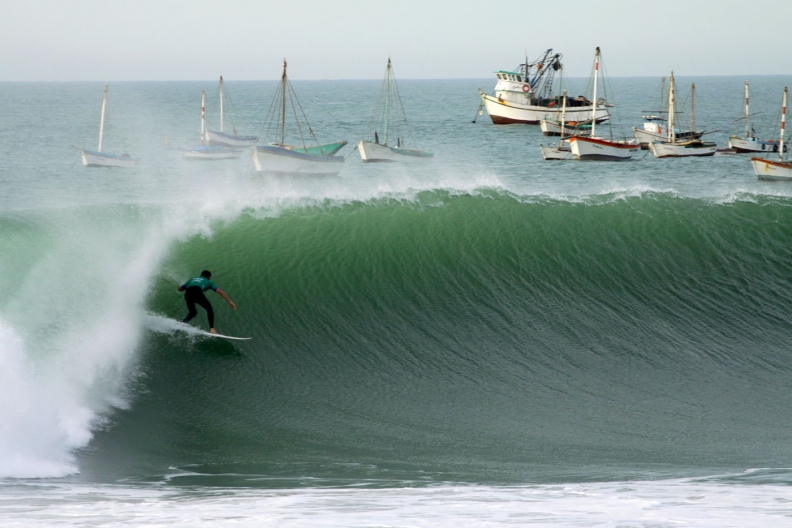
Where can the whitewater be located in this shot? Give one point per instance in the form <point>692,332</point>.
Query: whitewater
<point>485,339</point>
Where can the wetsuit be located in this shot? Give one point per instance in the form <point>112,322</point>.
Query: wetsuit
<point>193,294</point>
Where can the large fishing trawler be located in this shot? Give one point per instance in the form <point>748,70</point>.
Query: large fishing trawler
<point>526,95</point>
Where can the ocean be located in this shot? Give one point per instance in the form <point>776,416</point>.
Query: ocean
<point>483,339</point>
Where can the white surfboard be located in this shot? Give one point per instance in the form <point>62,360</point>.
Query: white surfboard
<point>167,325</point>
<point>210,334</point>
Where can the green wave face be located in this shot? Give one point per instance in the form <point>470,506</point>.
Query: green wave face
<point>475,337</point>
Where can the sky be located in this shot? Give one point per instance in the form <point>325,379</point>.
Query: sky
<point>139,40</point>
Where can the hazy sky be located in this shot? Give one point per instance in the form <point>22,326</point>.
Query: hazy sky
<point>112,40</point>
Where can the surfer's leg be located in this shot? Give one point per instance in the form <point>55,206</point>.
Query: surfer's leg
<point>191,311</point>
<point>190,298</point>
<point>203,301</point>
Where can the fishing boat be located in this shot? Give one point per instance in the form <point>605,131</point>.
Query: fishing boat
<point>551,127</point>
<point>208,152</point>
<point>99,158</point>
<point>280,158</point>
<point>653,126</point>
<point>749,142</point>
<point>674,147</point>
<point>391,119</point>
<point>561,151</point>
<point>781,170</point>
<point>221,137</point>
<point>595,148</point>
<point>525,95</point>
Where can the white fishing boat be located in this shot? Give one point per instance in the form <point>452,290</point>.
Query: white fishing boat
<point>99,158</point>
<point>557,128</point>
<point>222,138</point>
<point>390,118</point>
<point>595,148</point>
<point>673,147</point>
<point>655,127</point>
<point>204,152</point>
<point>562,150</point>
<point>749,143</point>
<point>781,170</point>
<point>280,158</point>
<point>526,95</point>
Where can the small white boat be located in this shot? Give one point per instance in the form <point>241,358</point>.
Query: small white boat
<point>749,143</point>
<point>780,170</point>
<point>204,152</point>
<point>561,151</point>
<point>221,138</point>
<point>594,148</point>
<point>99,158</point>
<point>672,147</point>
<point>280,158</point>
<point>391,119</point>
<point>526,95</point>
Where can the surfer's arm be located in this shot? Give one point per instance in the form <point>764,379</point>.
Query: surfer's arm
<point>225,296</point>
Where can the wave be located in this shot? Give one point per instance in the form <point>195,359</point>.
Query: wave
<point>467,335</point>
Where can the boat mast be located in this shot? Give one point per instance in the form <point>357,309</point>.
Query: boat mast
<point>747,116</point>
<point>671,101</point>
<point>101,120</point>
<point>221,103</point>
<point>563,117</point>
<point>203,115</point>
<point>283,104</point>
<point>594,107</point>
<point>692,107</point>
<point>783,124</point>
<point>387,101</point>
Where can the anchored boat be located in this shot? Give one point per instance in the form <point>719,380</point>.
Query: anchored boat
<point>99,158</point>
<point>281,158</point>
<point>525,95</point>
<point>391,119</point>
<point>780,170</point>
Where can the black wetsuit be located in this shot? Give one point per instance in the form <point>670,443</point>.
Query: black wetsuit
<point>194,295</point>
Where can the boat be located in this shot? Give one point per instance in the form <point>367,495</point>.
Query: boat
<point>561,151</point>
<point>390,117</point>
<point>280,158</point>
<point>208,152</point>
<point>781,170</point>
<point>595,148</point>
<point>525,95</point>
<point>556,128</point>
<point>653,130</point>
<point>674,147</point>
<point>100,158</point>
<point>223,139</point>
<point>749,142</point>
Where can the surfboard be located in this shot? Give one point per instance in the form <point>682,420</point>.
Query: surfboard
<point>165,325</point>
<point>210,334</point>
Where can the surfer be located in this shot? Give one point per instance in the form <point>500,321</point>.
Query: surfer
<point>193,294</point>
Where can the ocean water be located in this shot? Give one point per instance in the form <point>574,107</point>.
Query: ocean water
<point>484,339</point>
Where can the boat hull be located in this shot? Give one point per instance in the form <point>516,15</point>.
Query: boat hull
<point>210,153</point>
<point>682,150</point>
<point>597,149</point>
<point>504,112</point>
<point>275,160</point>
<point>554,128</point>
<point>767,170</point>
<point>749,145</point>
<point>374,152</point>
<point>645,137</point>
<point>221,139</point>
<point>557,152</point>
<point>92,158</point>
